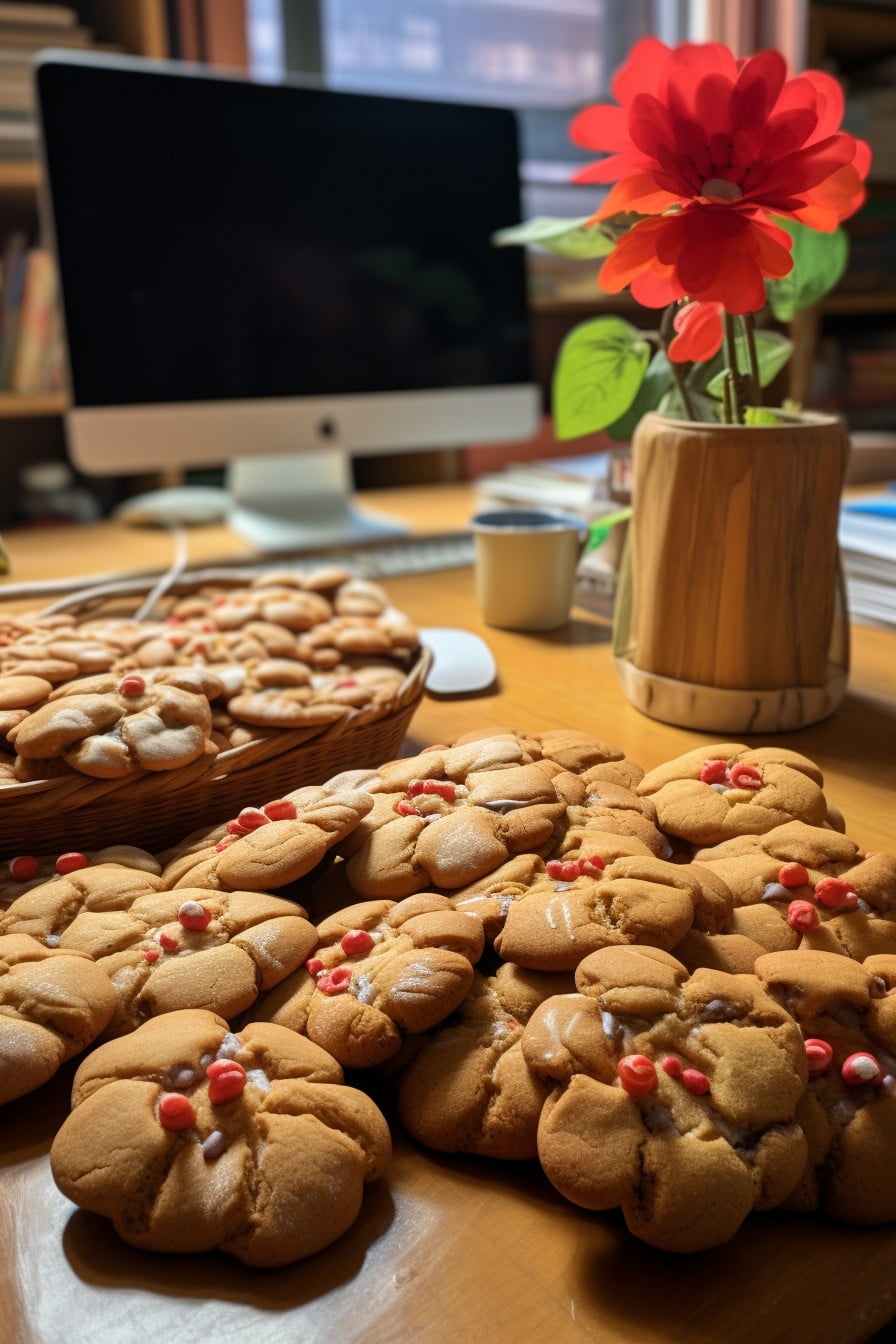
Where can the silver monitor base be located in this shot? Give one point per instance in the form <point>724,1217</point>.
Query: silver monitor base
<point>345,527</point>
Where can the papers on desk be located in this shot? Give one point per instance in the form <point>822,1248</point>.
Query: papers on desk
<point>867,536</point>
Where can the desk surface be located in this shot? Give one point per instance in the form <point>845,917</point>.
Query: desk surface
<point>450,1245</point>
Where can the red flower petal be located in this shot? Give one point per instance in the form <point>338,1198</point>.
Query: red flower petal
<point>602,127</point>
<point>700,332</point>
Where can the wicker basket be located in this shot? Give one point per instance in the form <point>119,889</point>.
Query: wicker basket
<point>154,809</point>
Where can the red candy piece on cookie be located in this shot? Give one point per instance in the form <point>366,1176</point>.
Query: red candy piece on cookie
<point>71,862</point>
<point>802,916</point>
<point>835,894</point>
<point>23,867</point>
<point>280,809</point>
<point>818,1056</point>
<point>745,776</point>
<point>672,1066</point>
<point>793,875</point>
<point>250,818</point>
<point>226,1081</point>
<point>167,942</point>
<point>314,965</point>
<point>695,1081</point>
<point>637,1075</point>
<point>713,772</point>
<point>336,981</point>
<point>356,941</point>
<point>194,916</point>
<point>861,1068</point>
<point>176,1112</point>
<point>132,685</point>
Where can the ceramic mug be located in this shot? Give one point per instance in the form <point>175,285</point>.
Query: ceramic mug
<point>525,565</point>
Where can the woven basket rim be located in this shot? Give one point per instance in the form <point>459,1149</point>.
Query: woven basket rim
<point>74,791</point>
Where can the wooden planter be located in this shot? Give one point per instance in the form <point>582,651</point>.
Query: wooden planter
<point>731,612</point>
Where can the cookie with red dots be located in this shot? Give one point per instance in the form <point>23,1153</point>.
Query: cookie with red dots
<point>468,1088</point>
<point>472,808</point>
<point>845,906</point>
<point>267,847</point>
<point>847,1015</point>
<point>570,908</point>
<point>190,1138</point>
<point>674,1096</point>
<point>165,950</point>
<point>53,1004</point>
<point>24,871</point>
<point>716,792</point>
<point>382,970</point>
<point>140,726</point>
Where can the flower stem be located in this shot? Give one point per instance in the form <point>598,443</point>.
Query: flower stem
<point>734,379</point>
<point>667,332</point>
<point>749,329</point>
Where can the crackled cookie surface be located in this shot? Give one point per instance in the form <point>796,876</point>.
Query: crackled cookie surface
<point>189,1137</point>
<point>675,1096</point>
<point>573,907</point>
<point>53,1003</point>
<point>724,790</point>
<point>847,1014</point>
<point>270,846</point>
<point>382,970</point>
<point>166,950</point>
<point>469,1089</point>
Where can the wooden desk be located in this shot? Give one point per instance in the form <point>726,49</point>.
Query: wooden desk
<point>451,1247</point>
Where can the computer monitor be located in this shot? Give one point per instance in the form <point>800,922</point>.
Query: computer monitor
<point>276,277</point>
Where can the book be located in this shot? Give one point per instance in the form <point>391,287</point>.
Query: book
<point>14,256</point>
<point>867,536</point>
<point>51,16</point>
<point>36,326</point>
<point>224,34</point>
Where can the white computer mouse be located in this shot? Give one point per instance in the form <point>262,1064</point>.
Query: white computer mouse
<point>462,662</point>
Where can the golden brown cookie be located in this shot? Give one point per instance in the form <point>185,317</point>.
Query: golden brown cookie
<point>164,950</point>
<point>53,1003</point>
<point>189,1137</point>
<point>382,970</point>
<point>268,847</point>
<point>675,1096</point>
<point>726,789</point>
<point>468,1088</point>
<point>847,1014</point>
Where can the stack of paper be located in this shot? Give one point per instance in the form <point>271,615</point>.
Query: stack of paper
<point>868,548</point>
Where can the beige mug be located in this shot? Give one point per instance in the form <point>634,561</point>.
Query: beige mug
<point>525,565</point>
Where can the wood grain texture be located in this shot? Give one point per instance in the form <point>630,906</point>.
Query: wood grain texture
<point>448,1248</point>
<point>733,548</point>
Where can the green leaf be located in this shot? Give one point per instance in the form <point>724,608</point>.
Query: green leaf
<point>761,415</point>
<point>657,381</point>
<point>819,260</point>
<point>569,237</point>
<point>772,352</point>
<point>598,372</point>
<point>704,408</point>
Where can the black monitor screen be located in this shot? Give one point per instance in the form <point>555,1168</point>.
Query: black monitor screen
<point>222,239</point>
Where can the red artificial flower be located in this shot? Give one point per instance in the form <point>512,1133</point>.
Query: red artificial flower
<point>712,148</point>
<point>700,333</point>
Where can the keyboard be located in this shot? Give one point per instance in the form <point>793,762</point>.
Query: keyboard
<point>381,559</point>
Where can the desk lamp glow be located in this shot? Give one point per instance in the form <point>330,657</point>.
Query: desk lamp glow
<point>276,277</point>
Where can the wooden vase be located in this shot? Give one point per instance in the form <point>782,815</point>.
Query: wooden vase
<point>731,610</point>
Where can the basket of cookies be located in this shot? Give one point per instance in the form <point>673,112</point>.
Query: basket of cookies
<point>130,714</point>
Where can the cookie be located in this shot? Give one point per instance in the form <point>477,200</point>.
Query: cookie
<point>268,847</point>
<point>53,1003</point>
<point>453,825</point>
<point>847,1015</point>
<point>674,1099</point>
<point>165,950</point>
<point>614,809</point>
<point>110,736</point>
<point>382,970</point>
<point>468,1088</point>
<point>24,871</point>
<point>573,907</point>
<point>716,792</point>
<point>189,1138</point>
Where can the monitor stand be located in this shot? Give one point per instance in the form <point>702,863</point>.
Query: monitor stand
<point>291,503</point>
<point>300,503</point>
